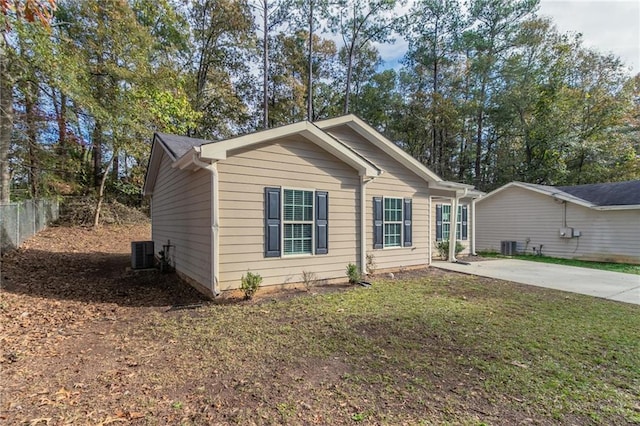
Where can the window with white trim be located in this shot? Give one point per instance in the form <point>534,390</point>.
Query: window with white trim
<point>443,222</point>
<point>392,222</point>
<point>298,221</point>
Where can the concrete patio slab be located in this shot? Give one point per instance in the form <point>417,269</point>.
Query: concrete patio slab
<point>592,282</point>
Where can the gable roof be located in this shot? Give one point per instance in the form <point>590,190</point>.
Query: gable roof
<point>602,196</point>
<point>176,146</point>
<point>187,152</point>
<point>377,139</point>
<point>607,194</point>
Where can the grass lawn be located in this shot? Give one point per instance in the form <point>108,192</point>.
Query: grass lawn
<point>83,342</point>
<point>432,349</point>
<point>607,266</point>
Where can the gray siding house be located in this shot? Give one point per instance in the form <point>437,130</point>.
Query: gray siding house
<point>597,222</point>
<point>304,197</point>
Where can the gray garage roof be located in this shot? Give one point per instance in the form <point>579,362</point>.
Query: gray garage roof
<point>607,194</point>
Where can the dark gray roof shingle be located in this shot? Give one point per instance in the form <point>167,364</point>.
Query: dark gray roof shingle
<point>607,194</point>
<point>180,145</point>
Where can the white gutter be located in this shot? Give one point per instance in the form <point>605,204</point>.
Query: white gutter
<point>215,219</point>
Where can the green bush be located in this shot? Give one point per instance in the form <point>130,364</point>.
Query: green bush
<point>443,249</point>
<point>250,284</point>
<point>353,273</point>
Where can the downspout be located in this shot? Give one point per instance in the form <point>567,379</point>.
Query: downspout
<point>430,248</point>
<point>453,228</point>
<point>363,220</point>
<point>215,219</point>
<point>473,228</point>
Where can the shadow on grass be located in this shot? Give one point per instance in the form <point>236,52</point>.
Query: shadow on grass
<point>92,277</point>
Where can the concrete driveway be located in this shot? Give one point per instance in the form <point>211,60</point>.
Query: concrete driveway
<point>592,282</point>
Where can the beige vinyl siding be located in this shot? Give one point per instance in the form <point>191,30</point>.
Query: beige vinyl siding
<point>397,181</point>
<point>517,214</point>
<point>466,243</point>
<point>181,213</point>
<point>288,163</point>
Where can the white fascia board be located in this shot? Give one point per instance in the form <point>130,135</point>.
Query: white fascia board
<point>185,161</point>
<point>220,150</point>
<point>560,195</point>
<point>391,149</point>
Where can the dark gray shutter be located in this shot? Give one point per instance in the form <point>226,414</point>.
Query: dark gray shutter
<point>322,222</point>
<point>272,222</point>
<point>378,234</point>
<point>438,222</point>
<point>407,223</point>
<point>464,222</point>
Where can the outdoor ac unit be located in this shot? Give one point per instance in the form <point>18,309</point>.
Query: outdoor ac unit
<point>566,232</point>
<point>142,254</point>
<point>508,248</point>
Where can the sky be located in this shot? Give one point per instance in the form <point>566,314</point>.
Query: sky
<point>609,26</point>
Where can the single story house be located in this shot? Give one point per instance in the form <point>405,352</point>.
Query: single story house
<point>306,197</point>
<point>597,222</point>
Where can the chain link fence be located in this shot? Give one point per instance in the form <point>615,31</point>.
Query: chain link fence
<point>19,221</point>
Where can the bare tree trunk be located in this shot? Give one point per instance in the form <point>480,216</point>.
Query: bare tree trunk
<point>32,143</point>
<point>310,84</point>
<point>115,171</point>
<point>6,123</point>
<point>347,93</point>
<point>103,181</point>
<point>265,72</point>
<point>97,154</point>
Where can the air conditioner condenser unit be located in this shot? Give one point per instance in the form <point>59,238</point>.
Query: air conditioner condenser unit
<point>142,255</point>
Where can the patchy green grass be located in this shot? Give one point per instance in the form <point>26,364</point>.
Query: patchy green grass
<point>607,266</point>
<point>430,347</point>
<point>440,349</point>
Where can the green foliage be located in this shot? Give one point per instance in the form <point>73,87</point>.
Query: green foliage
<point>443,248</point>
<point>353,273</point>
<point>250,284</point>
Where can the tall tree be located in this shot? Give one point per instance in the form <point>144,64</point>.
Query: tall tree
<point>496,25</point>
<point>359,23</point>
<point>222,33</point>
<point>12,13</point>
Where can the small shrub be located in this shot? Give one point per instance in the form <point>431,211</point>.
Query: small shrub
<point>443,249</point>
<point>353,273</point>
<point>250,284</point>
<point>371,263</point>
<point>309,279</point>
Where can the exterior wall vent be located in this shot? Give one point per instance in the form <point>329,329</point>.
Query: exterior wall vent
<point>142,255</point>
<point>508,248</point>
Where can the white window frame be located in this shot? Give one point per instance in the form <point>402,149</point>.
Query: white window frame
<point>399,222</point>
<point>296,222</point>
<point>448,223</point>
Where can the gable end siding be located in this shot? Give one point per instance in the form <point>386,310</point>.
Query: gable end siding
<point>396,181</point>
<point>287,163</point>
